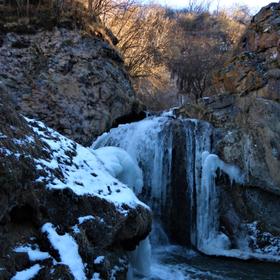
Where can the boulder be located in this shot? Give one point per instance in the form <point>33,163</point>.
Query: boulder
<point>73,81</point>
<point>39,175</point>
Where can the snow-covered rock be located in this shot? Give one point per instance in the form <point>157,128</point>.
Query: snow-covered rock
<point>86,172</point>
<point>52,182</point>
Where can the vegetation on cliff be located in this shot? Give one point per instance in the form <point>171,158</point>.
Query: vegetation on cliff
<point>166,52</point>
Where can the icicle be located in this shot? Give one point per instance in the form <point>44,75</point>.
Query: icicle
<point>209,239</point>
<point>140,260</point>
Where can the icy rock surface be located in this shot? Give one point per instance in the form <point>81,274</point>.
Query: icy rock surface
<point>68,187</point>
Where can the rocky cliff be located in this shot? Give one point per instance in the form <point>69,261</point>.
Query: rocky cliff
<point>69,78</point>
<point>255,67</point>
<point>245,112</point>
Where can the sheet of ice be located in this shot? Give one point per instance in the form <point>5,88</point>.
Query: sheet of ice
<point>82,170</point>
<point>68,250</point>
<point>198,139</point>
<point>34,254</point>
<point>158,237</point>
<point>27,274</point>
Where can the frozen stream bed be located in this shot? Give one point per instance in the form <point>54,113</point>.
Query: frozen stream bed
<point>174,262</point>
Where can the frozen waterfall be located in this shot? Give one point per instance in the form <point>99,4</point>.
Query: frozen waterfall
<point>179,183</point>
<point>169,151</point>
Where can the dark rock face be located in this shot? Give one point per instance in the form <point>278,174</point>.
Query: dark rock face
<point>26,204</point>
<point>74,82</point>
<point>246,115</point>
<point>177,220</point>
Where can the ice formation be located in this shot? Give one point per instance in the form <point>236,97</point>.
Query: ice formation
<point>151,143</point>
<point>148,142</point>
<point>209,239</point>
<point>140,260</point>
<point>121,166</point>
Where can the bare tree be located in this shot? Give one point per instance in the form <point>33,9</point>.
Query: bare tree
<point>143,36</point>
<point>197,6</point>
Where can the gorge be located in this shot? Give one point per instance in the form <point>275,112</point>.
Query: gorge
<point>94,187</point>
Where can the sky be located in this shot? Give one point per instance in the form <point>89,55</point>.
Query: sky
<point>254,5</point>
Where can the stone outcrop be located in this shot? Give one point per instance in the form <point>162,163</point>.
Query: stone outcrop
<point>73,81</point>
<point>245,112</point>
<point>29,167</point>
<point>255,69</point>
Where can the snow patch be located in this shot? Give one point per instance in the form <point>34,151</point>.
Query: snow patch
<point>99,260</point>
<point>34,254</point>
<point>83,171</point>
<point>68,250</point>
<point>85,218</point>
<point>96,276</point>
<point>81,220</point>
<point>24,141</point>
<point>27,274</point>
